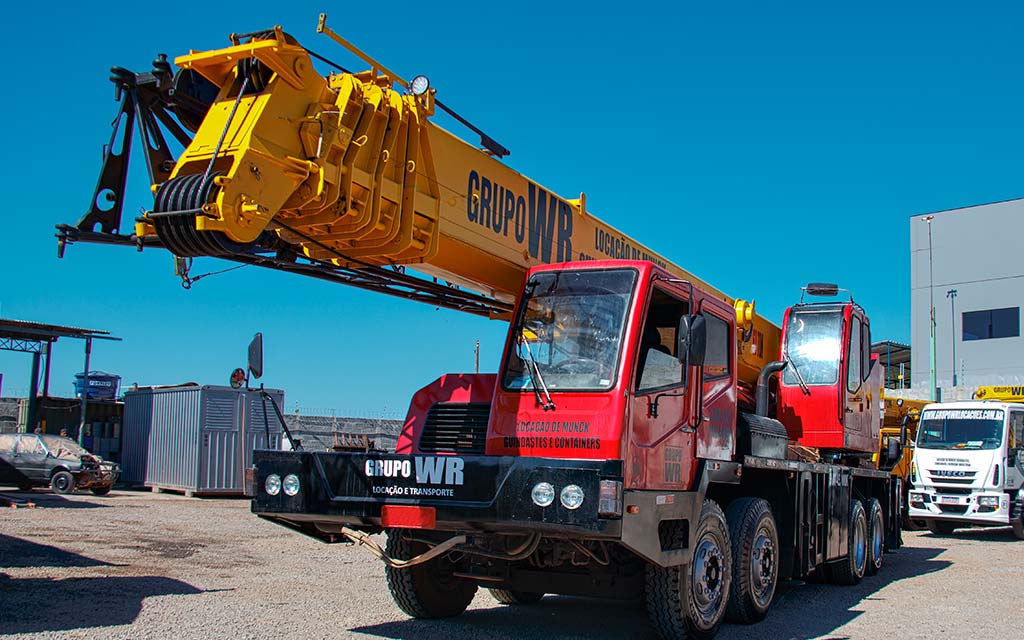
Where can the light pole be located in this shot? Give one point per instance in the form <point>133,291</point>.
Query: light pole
<point>951,294</point>
<point>931,315</point>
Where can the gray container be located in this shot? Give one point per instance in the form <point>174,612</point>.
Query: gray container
<point>199,440</point>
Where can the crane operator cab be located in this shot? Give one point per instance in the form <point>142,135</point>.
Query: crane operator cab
<point>830,389</point>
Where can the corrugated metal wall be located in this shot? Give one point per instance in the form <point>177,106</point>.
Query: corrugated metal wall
<point>195,438</point>
<point>172,455</point>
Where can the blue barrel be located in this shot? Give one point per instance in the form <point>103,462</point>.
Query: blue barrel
<point>102,385</point>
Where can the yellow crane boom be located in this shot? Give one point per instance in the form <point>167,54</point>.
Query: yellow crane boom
<point>345,177</point>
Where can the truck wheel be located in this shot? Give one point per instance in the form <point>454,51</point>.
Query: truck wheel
<point>850,569</point>
<point>505,596</point>
<point>876,537</point>
<point>62,482</point>
<point>428,590</point>
<point>1018,528</point>
<point>689,601</point>
<point>755,560</point>
<point>100,491</point>
<point>941,527</point>
<point>913,524</point>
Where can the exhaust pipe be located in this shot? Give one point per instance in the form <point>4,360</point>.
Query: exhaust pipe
<point>762,385</point>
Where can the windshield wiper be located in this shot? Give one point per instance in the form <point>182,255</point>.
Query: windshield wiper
<point>799,377</point>
<point>536,379</point>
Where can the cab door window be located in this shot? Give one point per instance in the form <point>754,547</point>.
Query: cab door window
<point>1016,431</point>
<point>865,350</point>
<point>716,357</point>
<point>657,364</point>
<point>853,357</point>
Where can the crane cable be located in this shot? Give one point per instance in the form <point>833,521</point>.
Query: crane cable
<point>187,281</point>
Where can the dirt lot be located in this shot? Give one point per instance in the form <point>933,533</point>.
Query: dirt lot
<point>139,565</point>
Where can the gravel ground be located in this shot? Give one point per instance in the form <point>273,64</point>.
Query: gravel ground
<point>139,565</point>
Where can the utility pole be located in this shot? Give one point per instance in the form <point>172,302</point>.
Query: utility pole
<point>931,315</point>
<point>951,294</point>
<point>476,353</point>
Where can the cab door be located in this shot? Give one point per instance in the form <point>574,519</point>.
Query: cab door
<point>662,438</point>
<point>717,411</point>
<point>858,395</point>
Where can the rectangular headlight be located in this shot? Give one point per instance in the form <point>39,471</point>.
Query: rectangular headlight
<point>988,501</point>
<point>609,501</point>
<point>917,497</point>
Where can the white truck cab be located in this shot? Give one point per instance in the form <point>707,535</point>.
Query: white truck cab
<point>969,466</point>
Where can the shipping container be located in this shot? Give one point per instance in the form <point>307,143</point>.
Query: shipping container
<point>196,439</point>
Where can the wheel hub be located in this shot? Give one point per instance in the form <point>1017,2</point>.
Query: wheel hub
<point>763,560</point>
<point>859,546</point>
<point>708,568</point>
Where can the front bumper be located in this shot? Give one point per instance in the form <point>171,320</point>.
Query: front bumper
<point>104,476</point>
<point>937,505</point>
<point>448,493</point>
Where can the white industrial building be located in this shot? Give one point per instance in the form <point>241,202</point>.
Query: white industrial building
<point>968,264</point>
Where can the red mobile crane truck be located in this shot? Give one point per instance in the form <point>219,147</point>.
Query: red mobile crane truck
<point>636,439</point>
<point>615,454</point>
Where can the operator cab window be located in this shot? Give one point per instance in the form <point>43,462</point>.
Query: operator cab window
<point>853,360</point>
<point>657,365</point>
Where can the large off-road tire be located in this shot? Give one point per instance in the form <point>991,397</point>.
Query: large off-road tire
<point>428,590</point>
<point>876,537</point>
<point>690,601</point>
<point>850,570</point>
<point>505,596</point>
<point>62,482</point>
<point>100,491</point>
<point>941,527</point>
<point>755,560</point>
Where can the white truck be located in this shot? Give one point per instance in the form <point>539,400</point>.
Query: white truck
<point>969,466</point>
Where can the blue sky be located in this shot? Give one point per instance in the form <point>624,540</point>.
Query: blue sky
<point>759,146</point>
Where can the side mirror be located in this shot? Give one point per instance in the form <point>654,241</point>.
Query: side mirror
<point>256,356</point>
<point>692,340</point>
<point>894,448</point>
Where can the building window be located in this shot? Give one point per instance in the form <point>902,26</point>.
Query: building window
<point>991,323</point>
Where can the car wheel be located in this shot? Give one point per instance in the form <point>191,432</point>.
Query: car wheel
<point>62,482</point>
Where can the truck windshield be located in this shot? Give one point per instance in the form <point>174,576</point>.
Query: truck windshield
<point>813,347</point>
<point>961,429</point>
<point>570,325</point>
